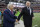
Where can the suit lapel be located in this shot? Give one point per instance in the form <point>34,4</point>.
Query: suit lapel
<point>10,11</point>
<point>28,10</point>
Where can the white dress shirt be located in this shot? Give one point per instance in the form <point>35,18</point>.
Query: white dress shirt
<point>9,9</point>
<point>29,9</point>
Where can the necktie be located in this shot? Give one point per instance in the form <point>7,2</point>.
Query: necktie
<point>12,12</point>
<point>29,10</point>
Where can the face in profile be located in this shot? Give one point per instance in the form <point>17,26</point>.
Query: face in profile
<point>28,4</point>
<point>11,7</point>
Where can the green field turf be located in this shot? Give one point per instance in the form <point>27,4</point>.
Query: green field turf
<point>36,21</point>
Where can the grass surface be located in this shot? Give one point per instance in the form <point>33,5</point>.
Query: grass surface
<point>36,21</point>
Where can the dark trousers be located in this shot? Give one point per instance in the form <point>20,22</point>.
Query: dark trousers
<point>28,26</point>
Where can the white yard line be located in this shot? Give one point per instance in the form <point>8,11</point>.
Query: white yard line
<point>20,25</point>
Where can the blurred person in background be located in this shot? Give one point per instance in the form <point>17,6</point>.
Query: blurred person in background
<point>17,12</point>
<point>27,13</point>
<point>8,16</point>
<point>0,18</point>
<point>0,14</point>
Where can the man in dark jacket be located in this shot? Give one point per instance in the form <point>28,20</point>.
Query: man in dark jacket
<point>27,13</point>
<point>8,17</point>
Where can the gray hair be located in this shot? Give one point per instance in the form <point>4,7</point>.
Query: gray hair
<point>28,2</point>
<point>9,5</point>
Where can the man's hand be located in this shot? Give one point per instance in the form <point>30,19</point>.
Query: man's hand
<point>16,20</point>
<point>33,18</point>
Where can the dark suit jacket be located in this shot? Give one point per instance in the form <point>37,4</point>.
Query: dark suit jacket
<point>26,15</point>
<point>8,18</point>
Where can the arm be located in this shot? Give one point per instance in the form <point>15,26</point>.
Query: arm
<point>15,16</point>
<point>12,15</point>
<point>32,13</point>
<point>20,15</point>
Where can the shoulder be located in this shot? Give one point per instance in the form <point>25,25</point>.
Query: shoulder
<point>31,8</point>
<point>23,8</point>
<point>6,11</point>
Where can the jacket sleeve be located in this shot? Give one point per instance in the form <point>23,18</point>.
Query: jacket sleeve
<point>32,13</point>
<point>12,15</point>
<point>20,15</point>
<point>8,17</point>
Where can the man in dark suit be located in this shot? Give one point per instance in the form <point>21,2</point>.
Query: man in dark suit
<point>8,16</point>
<point>27,13</point>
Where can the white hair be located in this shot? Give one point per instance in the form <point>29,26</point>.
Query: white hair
<point>28,2</point>
<point>8,6</point>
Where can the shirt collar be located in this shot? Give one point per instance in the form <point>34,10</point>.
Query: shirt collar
<point>27,7</point>
<point>9,9</point>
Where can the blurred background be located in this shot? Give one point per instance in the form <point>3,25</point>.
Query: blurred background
<point>19,4</point>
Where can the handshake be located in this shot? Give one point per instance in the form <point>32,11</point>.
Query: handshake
<point>16,20</point>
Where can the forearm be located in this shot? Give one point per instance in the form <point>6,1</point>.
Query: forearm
<point>19,17</point>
